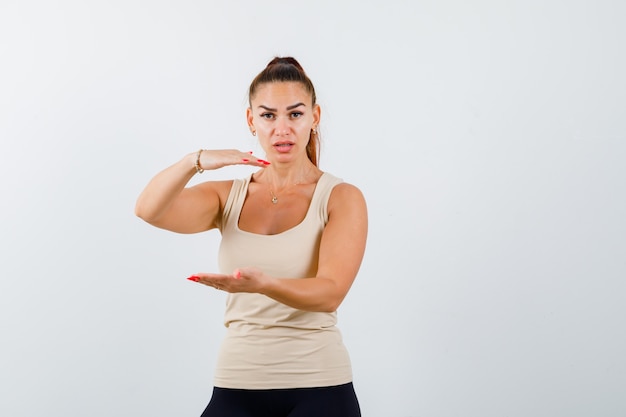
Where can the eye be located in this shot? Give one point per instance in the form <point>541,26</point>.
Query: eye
<point>296,114</point>
<point>267,115</point>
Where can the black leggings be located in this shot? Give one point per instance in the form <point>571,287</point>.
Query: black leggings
<point>336,401</point>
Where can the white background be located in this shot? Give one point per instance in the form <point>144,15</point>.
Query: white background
<point>488,138</point>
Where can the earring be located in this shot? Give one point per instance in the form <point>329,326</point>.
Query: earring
<point>314,130</point>
<point>254,133</point>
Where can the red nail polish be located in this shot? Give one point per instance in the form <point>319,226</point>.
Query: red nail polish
<point>263,161</point>
<point>250,152</point>
<point>194,278</point>
<point>245,160</point>
<point>238,275</point>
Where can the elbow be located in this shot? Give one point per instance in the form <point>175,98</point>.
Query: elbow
<point>143,213</point>
<point>331,297</point>
<point>325,305</point>
<point>330,305</point>
<point>331,308</point>
<point>139,211</point>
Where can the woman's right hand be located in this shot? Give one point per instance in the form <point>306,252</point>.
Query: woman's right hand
<point>215,159</point>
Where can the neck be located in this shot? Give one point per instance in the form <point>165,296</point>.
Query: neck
<point>279,177</point>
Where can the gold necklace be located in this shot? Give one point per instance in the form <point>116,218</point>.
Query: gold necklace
<point>275,197</point>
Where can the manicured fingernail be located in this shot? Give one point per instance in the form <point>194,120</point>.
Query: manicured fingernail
<point>245,160</point>
<point>263,161</point>
<point>238,274</point>
<point>250,152</point>
<point>194,278</point>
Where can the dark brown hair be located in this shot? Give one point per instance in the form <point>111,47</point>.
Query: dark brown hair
<point>285,69</point>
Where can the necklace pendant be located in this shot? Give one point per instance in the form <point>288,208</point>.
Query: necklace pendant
<point>274,200</point>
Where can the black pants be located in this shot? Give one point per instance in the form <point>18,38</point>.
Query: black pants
<point>335,401</point>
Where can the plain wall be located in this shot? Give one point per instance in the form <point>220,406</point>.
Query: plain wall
<point>488,138</point>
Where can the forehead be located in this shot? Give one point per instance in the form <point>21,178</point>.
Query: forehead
<point>283,92</point>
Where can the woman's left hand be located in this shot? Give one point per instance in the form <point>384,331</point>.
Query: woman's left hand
<point>241,280</point>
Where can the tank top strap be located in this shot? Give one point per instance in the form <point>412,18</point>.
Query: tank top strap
<point>234,202</point>
<point>324,187</point>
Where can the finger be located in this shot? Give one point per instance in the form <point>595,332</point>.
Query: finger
<point>194,278</point>
<point>251,160</point>
<point>206,279</point>
<point>217,281</point>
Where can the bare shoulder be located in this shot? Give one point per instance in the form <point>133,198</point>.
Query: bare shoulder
<point>346,197</point>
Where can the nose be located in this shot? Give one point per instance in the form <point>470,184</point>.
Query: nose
<point>282,127</point>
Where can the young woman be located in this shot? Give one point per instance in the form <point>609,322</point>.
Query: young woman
<point>293,238</point>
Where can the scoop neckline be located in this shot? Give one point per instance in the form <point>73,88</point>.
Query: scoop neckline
<point>304,219</point>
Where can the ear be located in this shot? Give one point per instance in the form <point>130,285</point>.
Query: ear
<point>250,119</point>
<point>317,114</point>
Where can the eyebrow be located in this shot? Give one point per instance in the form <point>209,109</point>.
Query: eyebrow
<point>293,106</point>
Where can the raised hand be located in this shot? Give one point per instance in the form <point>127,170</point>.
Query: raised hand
<point>209,159</point>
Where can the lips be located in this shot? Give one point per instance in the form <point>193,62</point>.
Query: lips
<point>283,146</point>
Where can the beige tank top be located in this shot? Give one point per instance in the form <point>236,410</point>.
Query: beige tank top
<point>269,345</point>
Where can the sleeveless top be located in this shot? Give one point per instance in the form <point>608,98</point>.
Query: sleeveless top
<point>269,345</point>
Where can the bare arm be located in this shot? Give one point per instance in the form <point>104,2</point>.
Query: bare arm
<point>341,251</point>
<point>168,203</point>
